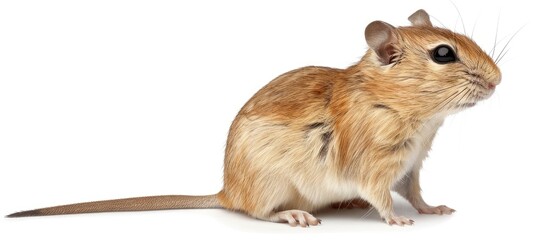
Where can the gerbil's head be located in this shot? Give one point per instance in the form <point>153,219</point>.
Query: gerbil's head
<point>428,70</point>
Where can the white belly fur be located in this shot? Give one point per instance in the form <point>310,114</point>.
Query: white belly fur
<point>323,186</point>
<point>421,143</point>
<point>329,189</point>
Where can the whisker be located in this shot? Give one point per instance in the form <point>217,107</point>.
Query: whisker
<point>367,212</point>
<point>470,93</point>
<point>509,41</point>
<point>423,92</point>
<point>440,90</point>
<point>496,38</point>
<point>415,94</point>
<point>438,21</point>
<point>452,99</point>
<point>460,17</point>
<point>462,97</point>
<point>436,107</point>
<point>449,102</point>
<point>474,27</point>
<point>497,61</point>
<point>502,39</point>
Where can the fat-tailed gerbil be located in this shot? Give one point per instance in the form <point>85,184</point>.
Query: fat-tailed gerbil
<point>317,136</point>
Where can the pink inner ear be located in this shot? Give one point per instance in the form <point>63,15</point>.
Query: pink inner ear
<point>387,53</point>
<point>380,36</point>
<point>391,53</point>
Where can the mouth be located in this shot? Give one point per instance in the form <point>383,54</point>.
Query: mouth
<point>483,95</point>
<point>471,95</point>
<point>476,96</point>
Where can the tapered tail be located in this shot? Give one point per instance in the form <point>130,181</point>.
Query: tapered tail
<point>127,204</point>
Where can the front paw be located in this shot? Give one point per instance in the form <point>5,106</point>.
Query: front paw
<point>440,210</point>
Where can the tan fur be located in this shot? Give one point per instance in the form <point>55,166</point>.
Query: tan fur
<point>316,135</point>
<point>127,204</point>
<point>272,161</point>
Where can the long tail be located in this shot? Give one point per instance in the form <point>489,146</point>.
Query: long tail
<point>127,204</point>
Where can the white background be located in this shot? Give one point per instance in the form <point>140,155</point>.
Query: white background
<point>110,99</point>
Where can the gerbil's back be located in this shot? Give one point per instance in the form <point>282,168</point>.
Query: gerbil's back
<point>299,94</point>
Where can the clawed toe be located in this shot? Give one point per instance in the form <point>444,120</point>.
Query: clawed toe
<point>401,221</point>
<point>297,217</point>
<point>440,210</point>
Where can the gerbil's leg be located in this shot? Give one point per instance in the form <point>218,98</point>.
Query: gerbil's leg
<point>280,196</point>
<point>294,217</point>
<point>377,191</point>
<point>354,203</point>
<point>381,199</point>
<point>409,188</point>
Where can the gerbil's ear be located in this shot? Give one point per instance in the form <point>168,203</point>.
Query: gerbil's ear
<point>380,37</point>
<point>420,18</point>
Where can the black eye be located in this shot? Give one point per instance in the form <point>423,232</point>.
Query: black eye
<point>443,54</point>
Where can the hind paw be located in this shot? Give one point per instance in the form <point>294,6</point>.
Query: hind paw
<point>401,221</point>
<point>296,217</point>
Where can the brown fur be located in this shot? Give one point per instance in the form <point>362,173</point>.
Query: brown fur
<point>318,135</point>
<point>370,144</point>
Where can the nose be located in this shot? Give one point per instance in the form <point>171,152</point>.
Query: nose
<point>496,80</point>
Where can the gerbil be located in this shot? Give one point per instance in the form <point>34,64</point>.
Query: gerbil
<point>316,136</point>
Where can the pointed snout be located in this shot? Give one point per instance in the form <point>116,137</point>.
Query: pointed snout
<point>495,80</point>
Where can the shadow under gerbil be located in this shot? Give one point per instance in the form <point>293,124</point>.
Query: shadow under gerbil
<point>335,220</point>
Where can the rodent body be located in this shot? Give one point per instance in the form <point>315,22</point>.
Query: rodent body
<point>304,146</point>
<point>315,136</point>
